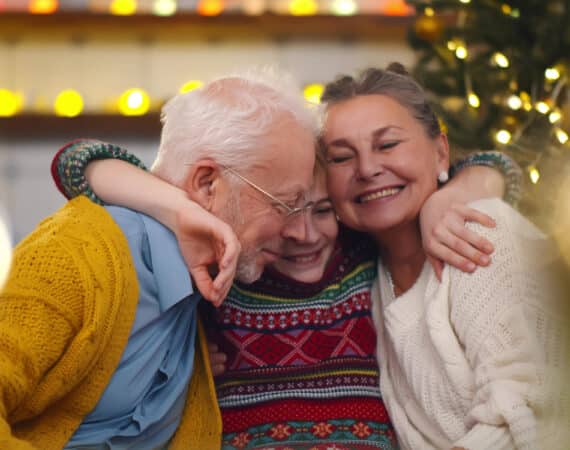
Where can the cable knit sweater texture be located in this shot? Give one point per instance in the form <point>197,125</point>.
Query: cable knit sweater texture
<point>471,361</point>
<point>65,317</point>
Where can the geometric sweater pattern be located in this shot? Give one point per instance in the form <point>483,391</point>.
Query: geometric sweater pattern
<point>301,369</point>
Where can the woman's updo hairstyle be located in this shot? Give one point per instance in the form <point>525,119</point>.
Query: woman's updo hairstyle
<point>394,82</point>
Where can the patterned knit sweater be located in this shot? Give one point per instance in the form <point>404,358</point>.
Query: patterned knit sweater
<point>301,369</point>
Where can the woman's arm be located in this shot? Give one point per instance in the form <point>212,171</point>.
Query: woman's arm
<point>204,240</point>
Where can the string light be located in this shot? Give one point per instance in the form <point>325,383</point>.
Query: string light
<point>313,92</point>
<point>506,9</point>
<point>164,7</point>
<point>452,45</point>
<point>555,116</point>
<point>190,86</point>
<point>11,103</point>
<point>514,102</point>
<point>473,100</point>
<point>534,174</point>
<point>561,135</point>
<point>134,102</point>
<point>552,74</point>
<point>503,136</point>
<point>344,7</point>
<point>429,12</point>
<point>210,7</point>
<point>43,6</point>
<point>501,60</point>
<point>526,101</point>
<point>465,2</point>
<point>542,107</point>
<point>303,7</point>
<point>461,52</point>
<point>123,7</point>
<point>68,103</point>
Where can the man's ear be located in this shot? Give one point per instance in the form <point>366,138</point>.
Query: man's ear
<point>203,182</point>
<point>442,156</point>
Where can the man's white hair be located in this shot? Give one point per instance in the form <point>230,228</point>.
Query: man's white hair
<point>227,120</point>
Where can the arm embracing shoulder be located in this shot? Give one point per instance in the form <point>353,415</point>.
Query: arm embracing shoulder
<point>497,315</point>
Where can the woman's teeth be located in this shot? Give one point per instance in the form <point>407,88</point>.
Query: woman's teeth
<point>379,194</point>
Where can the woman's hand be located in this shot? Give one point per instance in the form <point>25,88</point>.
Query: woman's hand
<point>211,250</point>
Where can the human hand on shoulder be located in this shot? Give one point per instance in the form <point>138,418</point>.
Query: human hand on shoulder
<point>444,235</point>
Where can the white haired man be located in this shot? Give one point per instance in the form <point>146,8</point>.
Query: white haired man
<point>98,317</point>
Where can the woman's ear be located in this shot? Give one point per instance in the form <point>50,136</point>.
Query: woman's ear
<point>442,153</point>
<point>202,182</point>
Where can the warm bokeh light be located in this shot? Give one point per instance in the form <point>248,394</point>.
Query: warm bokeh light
<point>429,12</point>
<point>210,7</point>
<point>461,52</point>
<point>514,102</point>
<point>555,116</point>
<point>11,103</point>
<point>303,7</point>
<point>253,7</point>
<point>164,7</point>
<point>123,7</point>
<point>501,60</point>
<point>190,86</point>
<point>473,100</point>
<point>344,7</point>
<point>503,136</point>
<point>68,103</point>
<point>561,135</point>
<point>542,107</point>
<point>313,93</point>
<point>534,174</point>
<point>43,6</point>
<point>134,102</point>
<point>397,8</point>
<point>465,1</point>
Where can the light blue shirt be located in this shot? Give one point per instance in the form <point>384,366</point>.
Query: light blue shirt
<point>142,406</point>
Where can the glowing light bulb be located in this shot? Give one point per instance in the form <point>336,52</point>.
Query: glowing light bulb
<point>134,102</point>
<point>473,100</point>
<point>506,9</point>
<point>303,7</point>
<point>552,74</point>
<point>210,7</point>
<point>503,136</point>
<point>68,103</point>
<point>43,6</point>
<point>313,92</point>
<point>461,52</point>
<point>534,174</point>
<point>164,7</point>
<point>452,45</point>
<point>542,107</point>
<point>561,135</point>
<point>555,116</point>
<point>429,12</point>
<point>514,102</point>
<point>501,60</point>
<point>344,7</point>
<point>123,7</point>
<point>11,103</point>
<point>465,1</point>
<point>190,86</point>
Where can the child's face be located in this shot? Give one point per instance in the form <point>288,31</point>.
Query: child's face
<point>305,257</point>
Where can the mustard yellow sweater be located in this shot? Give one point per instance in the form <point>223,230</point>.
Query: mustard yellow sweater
<point>65,316</point>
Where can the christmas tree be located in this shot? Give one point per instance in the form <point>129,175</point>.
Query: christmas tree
<point>499,76</point>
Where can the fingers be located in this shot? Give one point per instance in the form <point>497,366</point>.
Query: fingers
<point>217,359</point>
<point>474,215</point>
<point>445,254</point>
<point>204,284</point>
<point>227,254</point>
<point>459,240</point>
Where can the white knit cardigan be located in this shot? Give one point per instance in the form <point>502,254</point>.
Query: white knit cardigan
<point>473,361</point>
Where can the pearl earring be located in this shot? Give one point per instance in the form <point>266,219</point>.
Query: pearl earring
<point>443,177</point>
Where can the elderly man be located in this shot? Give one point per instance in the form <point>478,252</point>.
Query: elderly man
<point>98,318</point>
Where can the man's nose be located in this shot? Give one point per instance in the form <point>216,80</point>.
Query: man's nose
<point>300,228</point>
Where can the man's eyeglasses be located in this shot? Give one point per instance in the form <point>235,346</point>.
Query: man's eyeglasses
<point>287,211</point>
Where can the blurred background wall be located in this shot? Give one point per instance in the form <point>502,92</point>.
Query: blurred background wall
<point>90,49</point>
